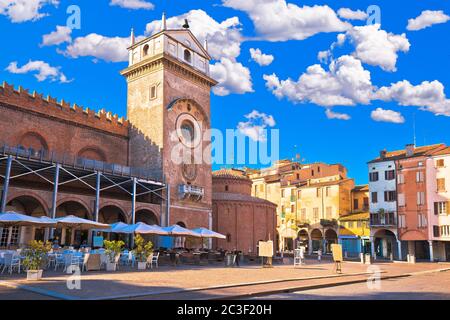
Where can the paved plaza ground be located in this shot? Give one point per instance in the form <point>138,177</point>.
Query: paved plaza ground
<point>435,286</point>
<point>206,282</point>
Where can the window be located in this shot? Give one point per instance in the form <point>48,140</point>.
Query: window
<point>402,221</point>
<point>421,220</point>
<point>14,236</point>
<point>328,191</point>
<point>440,184</point>
<point>318,192</point>
<point>389,196</point>
<point>440,163</point>
<point>187,56</point>
<point>299,194</point>
<point>145,50</point>
<point>283,209</point>
<point>420,176</point>
<point>389,175</point>
<point>420,198</point>
<point>355,204</point>
<point>441,208</point>
<point>226,188</point>
<point>329,212</point>
<point>312,173</point>
<point>436,231</point>
<point>316,214</point>
<point>373,176</point>
<point>303,214</point>
<point>401,178</point>
<point>401,199</point>
<point>153,92</point>
<point>282,193</point>
<point>366,203</point>
<point>374,197</point>
<point>298,176</point>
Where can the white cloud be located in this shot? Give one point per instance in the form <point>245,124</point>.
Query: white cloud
<point>232,76</point>
<point>346,83</point>
<point>224,38</point>
<point>24,10</point>
<point>44,71</point>
<point>277,20</point>
<point>256,126</point>
<point>112,49</point>
<point>133,4</point>
<point>428,96</point>
<point>382,115</point>
<point>426,19</point>
<point>335,115</point>
<point>261,58</point>
<point>349,14</point>
<point>61,35</point>
<point>377,47</point>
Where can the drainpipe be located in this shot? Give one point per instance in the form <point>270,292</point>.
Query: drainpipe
<point>399,243</point>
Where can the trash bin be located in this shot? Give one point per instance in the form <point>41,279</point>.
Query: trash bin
<point>230,259</point>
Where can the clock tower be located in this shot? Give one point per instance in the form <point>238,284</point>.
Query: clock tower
<point>168,106</point>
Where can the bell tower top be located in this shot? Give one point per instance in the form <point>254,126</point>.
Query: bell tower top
<point>178,44</point>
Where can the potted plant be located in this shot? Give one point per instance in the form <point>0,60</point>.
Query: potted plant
<point>113,249</point>
<point>35,257</point>
<point>142,251</point>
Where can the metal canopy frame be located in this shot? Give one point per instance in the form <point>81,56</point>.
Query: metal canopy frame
<point>22,163</point>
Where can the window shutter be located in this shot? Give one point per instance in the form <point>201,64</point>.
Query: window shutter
<point>436,208</point>
<point>448,207</point>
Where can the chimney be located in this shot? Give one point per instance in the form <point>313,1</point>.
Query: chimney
<point>383,154</point>
<point>410,149</point>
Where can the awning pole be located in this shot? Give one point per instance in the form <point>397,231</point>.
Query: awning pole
<point>6,184</point>
<point>54,197</point>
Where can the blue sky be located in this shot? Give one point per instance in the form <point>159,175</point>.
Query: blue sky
<point>294,37</point>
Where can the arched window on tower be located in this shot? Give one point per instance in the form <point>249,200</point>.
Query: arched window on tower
<point>145,50</point>
<point>187,56</point>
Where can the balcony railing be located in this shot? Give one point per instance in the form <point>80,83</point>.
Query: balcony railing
<point>383,219</point>
<point>80,163</point>
<point>191,192</point>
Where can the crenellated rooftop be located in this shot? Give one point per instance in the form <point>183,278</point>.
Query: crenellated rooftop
<point>49,106</point>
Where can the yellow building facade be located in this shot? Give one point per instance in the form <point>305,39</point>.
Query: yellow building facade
<point>354,228</point>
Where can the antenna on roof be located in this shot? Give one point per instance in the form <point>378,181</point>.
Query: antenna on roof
<point>186,24</point>
<point>414,127</point>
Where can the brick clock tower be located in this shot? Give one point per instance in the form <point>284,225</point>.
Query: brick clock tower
<point>169,106</point>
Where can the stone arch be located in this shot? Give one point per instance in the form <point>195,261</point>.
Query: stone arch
<point>72,236</point>
<point>92,153</point>
<point>385,244</point>
<point>71,205</point>
<point>193,103</point>
<point>316,234</point>
<point>147,216</point>
<point>330,238</point>
<point>32,206</point>
<point>316,237</point>
<point>187,56</point>
<point>111,213</point>
<point>145,50</point>
<point>33,140</point>
<point>29,194</point>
